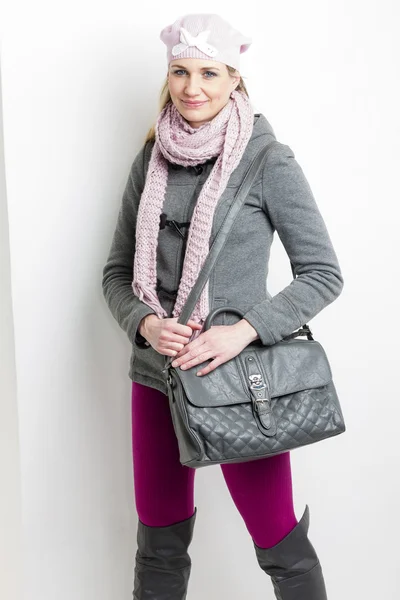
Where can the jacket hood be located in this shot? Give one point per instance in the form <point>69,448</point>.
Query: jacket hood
<point>261,127</point>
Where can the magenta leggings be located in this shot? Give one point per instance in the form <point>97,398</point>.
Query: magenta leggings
<point>164,488</point>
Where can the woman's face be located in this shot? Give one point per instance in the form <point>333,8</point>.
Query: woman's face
<point>196,80</point>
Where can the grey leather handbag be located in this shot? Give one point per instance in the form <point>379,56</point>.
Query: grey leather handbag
<point>264,401</point>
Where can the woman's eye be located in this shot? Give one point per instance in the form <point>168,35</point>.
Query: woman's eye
<point>206,72</point>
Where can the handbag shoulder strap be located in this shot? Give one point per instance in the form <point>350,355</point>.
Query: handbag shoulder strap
<point>222,234</point>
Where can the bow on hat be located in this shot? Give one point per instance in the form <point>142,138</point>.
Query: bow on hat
<point>200,41</point>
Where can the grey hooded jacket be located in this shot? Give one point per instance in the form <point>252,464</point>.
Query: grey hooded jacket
<point>280,200</point>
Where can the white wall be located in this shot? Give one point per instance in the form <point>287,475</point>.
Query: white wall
<point>79,90</point>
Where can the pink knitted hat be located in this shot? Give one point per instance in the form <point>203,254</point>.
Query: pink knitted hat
<point>204,36</point>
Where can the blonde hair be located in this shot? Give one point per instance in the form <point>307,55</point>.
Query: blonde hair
<point>165,97</point>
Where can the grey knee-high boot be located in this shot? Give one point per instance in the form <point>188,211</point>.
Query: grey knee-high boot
<point>293,565</point>
<point>162,562</point>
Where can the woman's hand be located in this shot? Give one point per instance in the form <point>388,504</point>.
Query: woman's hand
<point>165,335</point>
<point>220,342</point>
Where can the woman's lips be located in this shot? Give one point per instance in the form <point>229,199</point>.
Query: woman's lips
<point>193,104</point>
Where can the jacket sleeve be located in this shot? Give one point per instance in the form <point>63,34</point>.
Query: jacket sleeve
<point>291,207</point>
<point>125,307</point>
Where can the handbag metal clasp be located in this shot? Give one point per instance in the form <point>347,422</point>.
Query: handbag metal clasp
<point>256,381</point>
<point>257,384</point>
<point>260,396</point>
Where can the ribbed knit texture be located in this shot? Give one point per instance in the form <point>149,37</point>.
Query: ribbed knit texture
<point>225,136</point>
<point>207,36</point>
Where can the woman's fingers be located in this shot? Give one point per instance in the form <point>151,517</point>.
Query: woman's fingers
<point>194,325</point>
<point>201,357</point>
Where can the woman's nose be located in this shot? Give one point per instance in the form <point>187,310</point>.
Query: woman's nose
<point>192,87</point>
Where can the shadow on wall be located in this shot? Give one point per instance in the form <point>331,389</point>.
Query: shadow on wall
<point>10,496</point>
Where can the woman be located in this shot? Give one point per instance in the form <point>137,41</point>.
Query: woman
<point>179,190</point>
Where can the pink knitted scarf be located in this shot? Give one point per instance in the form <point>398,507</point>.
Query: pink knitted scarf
<point>225,136</point>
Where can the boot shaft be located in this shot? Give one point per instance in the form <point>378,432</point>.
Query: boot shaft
<point>162,561</point>
<point>293,565</point>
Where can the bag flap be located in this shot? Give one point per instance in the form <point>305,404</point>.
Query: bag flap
<point>288,367</point>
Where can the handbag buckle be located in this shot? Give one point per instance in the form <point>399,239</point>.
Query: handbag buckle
<point>256,385</point>
<point>261,402</point>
